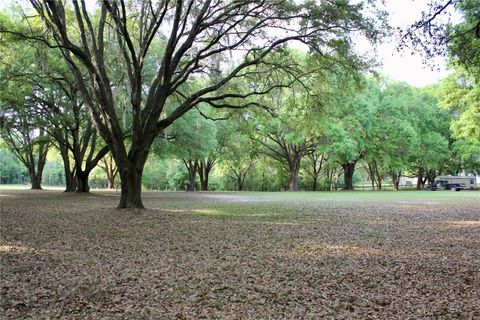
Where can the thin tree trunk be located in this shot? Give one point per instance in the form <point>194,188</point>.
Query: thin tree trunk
<point>377,174</point>
<point>371,174</point>
<point>293,179</point>
<point>316,163</point>
<point>70,185</point>
<point>110,170</point>
<point>239,182</point>
<point>329,179</point>
<point>395,179</point>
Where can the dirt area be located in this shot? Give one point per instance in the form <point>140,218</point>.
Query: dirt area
<point>399,255</point>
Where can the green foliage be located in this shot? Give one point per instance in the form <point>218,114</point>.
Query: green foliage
<point>53,173</point>
<point>155,175</point>
<point>11,170</point>
<point>460,93</point>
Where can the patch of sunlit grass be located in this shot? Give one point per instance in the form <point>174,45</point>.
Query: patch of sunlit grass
<point>15,249</point>
<point>207,212</point>
<point>323,249</point>
<point>464,223</point>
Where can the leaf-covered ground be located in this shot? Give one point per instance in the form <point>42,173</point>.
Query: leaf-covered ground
<point>356,255</point>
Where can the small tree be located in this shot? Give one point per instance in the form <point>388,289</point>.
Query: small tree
<point>111,171</point>
<point>29,145</point>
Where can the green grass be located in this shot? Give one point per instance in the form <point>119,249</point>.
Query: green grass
<point>275,206</point>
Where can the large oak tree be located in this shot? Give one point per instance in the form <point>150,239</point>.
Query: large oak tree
<point>191,35</point>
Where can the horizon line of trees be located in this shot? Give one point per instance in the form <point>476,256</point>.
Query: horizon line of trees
<point>387,130</point>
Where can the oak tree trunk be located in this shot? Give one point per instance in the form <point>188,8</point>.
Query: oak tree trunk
<point>294,167</point>
<point>111,181</point>
<point>82,182</point>
<point>70,179</point>
<point>293,179</point>
<point>239,183</point>
<point>192,167</point>
<point>420,183</point>
<point>348,170</point>
<point>35,180</point>
<point>36,175</point>
<point>131,187</point>
<point>203,173</point>
<point>204,184</point>
<point>395,180</point>
<point>191,182</point>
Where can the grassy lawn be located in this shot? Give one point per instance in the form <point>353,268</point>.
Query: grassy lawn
<point>220,255</point>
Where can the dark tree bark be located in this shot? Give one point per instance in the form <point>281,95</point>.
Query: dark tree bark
<point>431,175</point>
<point>374,175</point>
<point>35,179</point>
<point>371,174</point>
<point>36,163</point>
<point>315,162</point>
<point>378,175</point>
<point>294,175</point>
<point>84,142</point>
<point>67,122</point>
<point>329,174</point>
<point>240,183</point>
<point>29,148</point>
<point>131,179</point>
<point>110,169</point>
<point>240,174</point>
<point>131,187</point>
<point>420,179</point>
<point>192,168</point>
<point>288,154</point>
<point>348,171</point>
<point>205,166</point>
<point>395,178</point>
<point>82,182</point>
<point>70,179</point>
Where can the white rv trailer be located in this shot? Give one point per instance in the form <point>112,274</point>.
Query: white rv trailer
<point>470,182</point>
